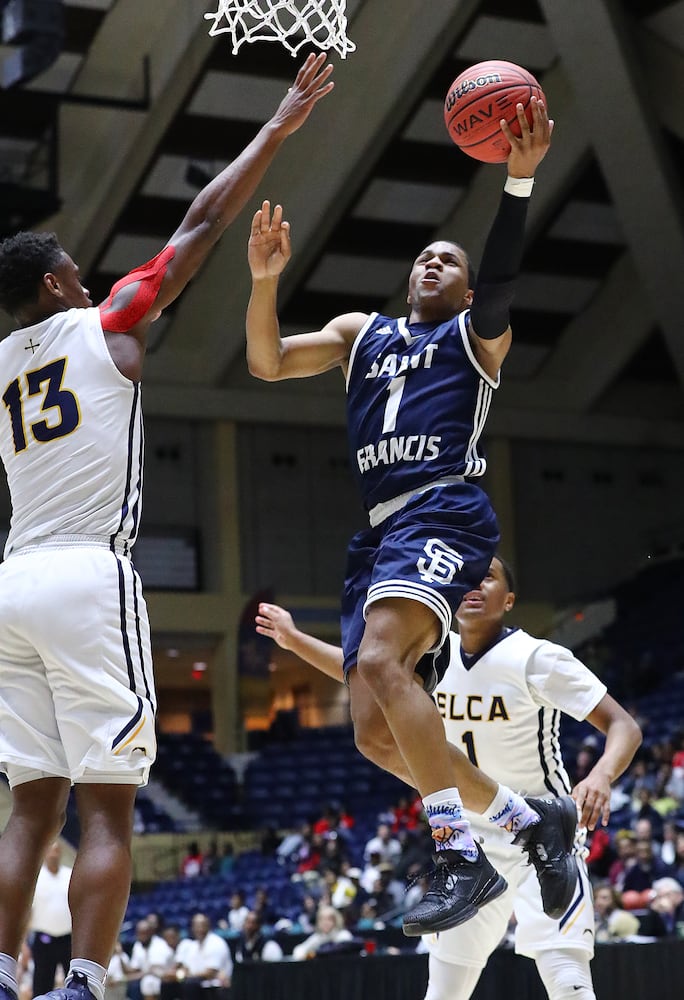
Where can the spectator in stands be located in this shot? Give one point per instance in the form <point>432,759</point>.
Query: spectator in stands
<point>646,810</point>
<point>50,920</point>
<point>388,892</point>
<point>645,870</point>
<point>601,853</point>
<point>191,865</point>
<point>172,936</point>
<point>665,916</point>
<point>310,853</point>
<point>289,849</point>
<point>384,844</point>
<point>263,907</point>
<point>235,918</point>
<point>203,962</point>
<point>210,860</point>
<point>330,929</point>
<point>347,888</point>
<point>643,830</point>
<point>306,918</point>
<point>254,945</point>
<point>227,860</point>
<point>270,842</point>
<point>609,915</point>
<point>625,845</point>
<point>371,872</point>
<point>406,814</point>
<point>151,959</point>
<point>116,983</point>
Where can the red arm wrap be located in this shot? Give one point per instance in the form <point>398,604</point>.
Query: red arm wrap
<point>148,278</point>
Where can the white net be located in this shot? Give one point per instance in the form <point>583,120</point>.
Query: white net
<point>322,23</point>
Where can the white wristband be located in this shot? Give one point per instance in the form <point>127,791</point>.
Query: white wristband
<point>521,187</point>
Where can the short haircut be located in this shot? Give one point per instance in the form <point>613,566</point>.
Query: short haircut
<point>24,259</point>
<point>508,573</point>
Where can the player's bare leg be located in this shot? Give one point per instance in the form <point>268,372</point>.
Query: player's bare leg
<point>38,812</point>
<point>99,887</point>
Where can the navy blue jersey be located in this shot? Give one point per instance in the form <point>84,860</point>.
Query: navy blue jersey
<point>417,401</point>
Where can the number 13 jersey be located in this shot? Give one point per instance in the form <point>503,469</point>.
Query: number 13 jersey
<point>417,402</point>
<point>71,436</point>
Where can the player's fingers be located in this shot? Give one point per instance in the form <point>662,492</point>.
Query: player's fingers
<point>605,812</point>
<point>256,223</point>
<point>505,128</point>
<point>522,119</point>
<point>277,218</point>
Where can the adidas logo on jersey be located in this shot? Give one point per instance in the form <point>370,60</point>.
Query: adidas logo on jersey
<point>386,329</point>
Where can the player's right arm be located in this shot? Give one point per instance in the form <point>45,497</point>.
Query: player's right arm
<point>269,356</point>
<point>277,623</point>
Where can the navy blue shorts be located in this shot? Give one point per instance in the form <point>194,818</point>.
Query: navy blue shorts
<point>434,550</point>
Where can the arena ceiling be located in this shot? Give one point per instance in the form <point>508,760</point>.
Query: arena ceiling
<point>108,145</point>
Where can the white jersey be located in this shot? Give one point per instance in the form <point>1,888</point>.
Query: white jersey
<point>502,707</point>
<point>71,435</point>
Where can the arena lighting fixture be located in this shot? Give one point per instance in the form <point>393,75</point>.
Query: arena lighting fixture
<point>35,30</point>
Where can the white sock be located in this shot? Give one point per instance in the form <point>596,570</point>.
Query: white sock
<point>510,811</point>
<point>8,972</point>
<point>94,973</point>
<point>450,830</point>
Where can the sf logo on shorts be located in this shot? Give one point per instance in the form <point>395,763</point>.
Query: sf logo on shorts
<point>442,563</point>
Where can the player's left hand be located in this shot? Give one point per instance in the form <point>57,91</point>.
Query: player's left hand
<point>269,248</point>
<point>276,623</point>
<point>592,796</point>
<point>310,85</point>
<point>530,148</point>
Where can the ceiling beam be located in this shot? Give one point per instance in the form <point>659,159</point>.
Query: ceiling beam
<point>594,41</point>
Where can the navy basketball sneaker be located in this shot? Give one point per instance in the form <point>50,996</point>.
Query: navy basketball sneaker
<point>75,989</point>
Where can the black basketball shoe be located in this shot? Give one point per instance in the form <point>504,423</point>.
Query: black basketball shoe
<point>548,845</point>
<point>458,888</point>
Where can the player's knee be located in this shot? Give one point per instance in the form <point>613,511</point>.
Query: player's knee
<point>566,974</point>
<point>384,676</point>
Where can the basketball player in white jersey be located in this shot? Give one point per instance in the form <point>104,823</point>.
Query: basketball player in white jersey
<point>418,395</point>
<point>501,698</point>
<point>77,699</point>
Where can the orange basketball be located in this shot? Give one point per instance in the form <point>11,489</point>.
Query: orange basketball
<point>477,101</point>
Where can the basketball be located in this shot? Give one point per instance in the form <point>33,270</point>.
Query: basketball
<point>477,101</point>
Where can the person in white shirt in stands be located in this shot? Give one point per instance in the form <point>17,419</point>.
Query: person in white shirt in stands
<point>50,921</point>
<point>255,946</point>
<point>203,961</point>
<point>384,844</point>
<point>151,959</point>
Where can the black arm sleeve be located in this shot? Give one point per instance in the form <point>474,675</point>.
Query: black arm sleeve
<point>495,285</point>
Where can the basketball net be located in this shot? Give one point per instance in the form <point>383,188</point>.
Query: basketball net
<point>322,23</point>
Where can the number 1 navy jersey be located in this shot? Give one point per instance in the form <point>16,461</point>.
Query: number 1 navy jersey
<point>417,402</point>
<point>71,436</point>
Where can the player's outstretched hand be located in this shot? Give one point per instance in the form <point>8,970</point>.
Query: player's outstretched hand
<point>311,84</point>
<point>268,250</point>
<point>528,150</point>
<point>592,796</point>
<point>276,623</point>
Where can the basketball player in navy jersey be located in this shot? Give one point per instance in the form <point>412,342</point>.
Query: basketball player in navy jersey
<point>418,394</point>
<point>77,700</point>
<point>501,696</point>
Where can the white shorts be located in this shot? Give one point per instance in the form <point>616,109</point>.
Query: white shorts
<point>77,693</point>
<point>473,942</point>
